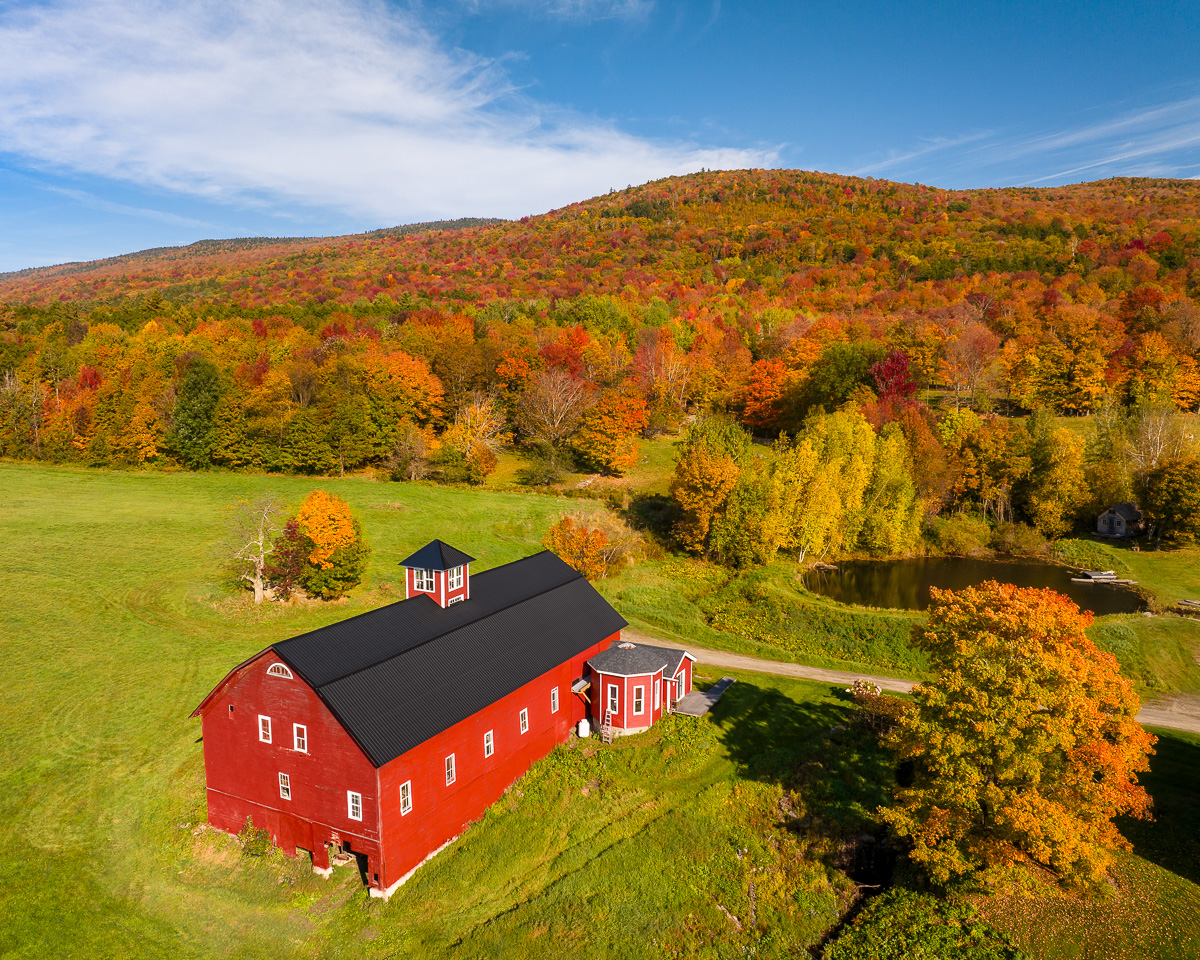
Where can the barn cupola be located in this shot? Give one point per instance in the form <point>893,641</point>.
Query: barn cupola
<point>439,571</point>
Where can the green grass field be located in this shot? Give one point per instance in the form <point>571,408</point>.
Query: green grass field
<point>115,624</point>
<point>114,627</point>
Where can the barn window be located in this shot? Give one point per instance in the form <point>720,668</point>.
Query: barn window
<point>285,786</point>
<point>456,577</point>
<point>614,699</point>
<point>657,695</point>
<point>279,670</point>
<point>554,699</point>
<point>449,769</point>
<point>405,797</point>
<point>423,580</point>
<point>264,728</point>
<point>354,805</point>
<point>300,737</point>
<point>489,744</point>
<point>525,721</point>
<point>639,699</point>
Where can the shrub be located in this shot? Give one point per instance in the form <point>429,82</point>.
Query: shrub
<point>541,469</point>
<point>902,924</point>
<point>1018,539</point>
<point>961,535</point>
<point>255,843</point>
<point>877,712</point>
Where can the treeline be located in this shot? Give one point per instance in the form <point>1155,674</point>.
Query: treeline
<point>876,481</point>
<point>764,295</point>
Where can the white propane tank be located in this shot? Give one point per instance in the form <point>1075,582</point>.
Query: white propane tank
<point>584,729</point>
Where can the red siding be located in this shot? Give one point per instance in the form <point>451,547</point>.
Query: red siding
<point>440,812</point>
<point>624,717</point>
<point>242,772</point>
<point>440,593</point>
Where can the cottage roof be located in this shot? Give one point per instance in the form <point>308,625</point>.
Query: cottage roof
<point>1128,510</point>
<point>637,659</point>
<point>436,555</point>
<point>398,675</point>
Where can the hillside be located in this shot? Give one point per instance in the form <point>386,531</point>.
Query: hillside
<point>714,291</point>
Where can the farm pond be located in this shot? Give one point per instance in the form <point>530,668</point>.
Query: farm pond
<point>905,584</point>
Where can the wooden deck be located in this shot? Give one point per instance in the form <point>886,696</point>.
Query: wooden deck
<point>699,702</point>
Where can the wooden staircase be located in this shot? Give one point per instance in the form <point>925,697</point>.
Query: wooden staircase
<point>606,728</point>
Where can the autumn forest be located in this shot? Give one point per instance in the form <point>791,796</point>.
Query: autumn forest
<point>941,337</point>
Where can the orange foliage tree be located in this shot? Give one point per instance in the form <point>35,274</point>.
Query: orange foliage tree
<point>579,545</point>
<point>1025,746</point>
<point>606,439</point>
<point>595,544</point>
<point>326,521</point>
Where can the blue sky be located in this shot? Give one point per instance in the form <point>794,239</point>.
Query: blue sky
<point>127,124</point>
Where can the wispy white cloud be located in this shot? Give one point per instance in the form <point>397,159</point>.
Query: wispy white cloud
<point>93,202</point>
<point>585,10</point>
<point>1161,140</point>
<point>342,104</point>
<point>901,158</point>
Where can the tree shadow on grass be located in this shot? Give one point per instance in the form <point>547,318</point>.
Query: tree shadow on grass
<point>1171,840</point>
<point>839,770</point>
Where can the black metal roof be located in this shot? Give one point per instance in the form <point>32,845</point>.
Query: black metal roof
<point>401,674</point>
<point>636,659</point>
<point>436,555</point>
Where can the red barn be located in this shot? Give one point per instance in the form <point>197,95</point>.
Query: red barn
<point>633,684</point>
<point>386,734</point>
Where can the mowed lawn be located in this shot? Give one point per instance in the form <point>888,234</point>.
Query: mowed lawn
<point>114,625</point>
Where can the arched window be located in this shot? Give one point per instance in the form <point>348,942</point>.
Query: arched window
<point>279,670</point>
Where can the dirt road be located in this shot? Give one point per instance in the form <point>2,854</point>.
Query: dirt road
<point>1171,713</point>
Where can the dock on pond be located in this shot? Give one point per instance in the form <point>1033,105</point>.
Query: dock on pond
<point>699,702</point>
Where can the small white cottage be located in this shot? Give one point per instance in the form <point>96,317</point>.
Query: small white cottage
<point>1121,520</point>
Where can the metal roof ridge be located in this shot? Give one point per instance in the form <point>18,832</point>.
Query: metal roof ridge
<point>498,610</point>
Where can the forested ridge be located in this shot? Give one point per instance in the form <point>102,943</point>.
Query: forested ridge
<point>764,293</point>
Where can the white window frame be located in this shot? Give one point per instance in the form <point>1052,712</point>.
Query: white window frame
<point>285,787</point>
<point>279,670</point>
<point>406,798</point>
<point>264,728</point>
<point>353,800</point>
<point>639,700</point>
<point>451,771</point>
<point>454,579</point>
<point>525,720</point>
<point>459,599</point>
<point>614,698</point>
<point>657,695</point>
<point>299,738</point>
<point>424,580</point>
<point>554,699</point>
<point>489,743</point>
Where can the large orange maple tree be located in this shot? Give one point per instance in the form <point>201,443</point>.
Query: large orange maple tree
<point>1024,747</point>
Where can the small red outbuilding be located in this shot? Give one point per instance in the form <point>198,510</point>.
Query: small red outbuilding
<point>386,734</point>
<point>633,684</point>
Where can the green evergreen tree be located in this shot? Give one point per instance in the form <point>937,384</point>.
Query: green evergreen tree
<point>193,428</point>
